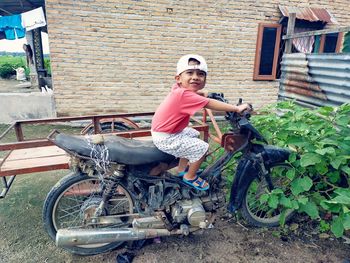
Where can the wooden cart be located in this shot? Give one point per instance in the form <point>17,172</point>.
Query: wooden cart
<point>40,155</point>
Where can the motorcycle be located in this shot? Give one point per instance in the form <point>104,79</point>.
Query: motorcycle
<point>122,190</point>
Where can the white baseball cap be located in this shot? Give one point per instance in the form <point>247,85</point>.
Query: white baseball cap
<point>183,62</point>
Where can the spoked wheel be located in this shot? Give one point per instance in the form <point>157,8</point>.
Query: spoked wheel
<point>111,125</point>
<point>256,209</point>
<point>75,199</point>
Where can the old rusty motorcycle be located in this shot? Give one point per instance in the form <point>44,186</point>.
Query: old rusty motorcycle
<point>122,190</point>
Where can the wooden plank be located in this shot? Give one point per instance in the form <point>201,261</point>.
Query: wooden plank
<point>290,31</point>
<point>34,165</point>
<point>24,144</point>
<point>37,152</point>
<point>80,118</point>
<point>317,32</point>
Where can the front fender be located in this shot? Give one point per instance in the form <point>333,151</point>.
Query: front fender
<point>248,168</point>
<point>272,154</point>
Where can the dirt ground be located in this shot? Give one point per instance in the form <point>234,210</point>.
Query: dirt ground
<point>23,239</point>
<point>11,86</point>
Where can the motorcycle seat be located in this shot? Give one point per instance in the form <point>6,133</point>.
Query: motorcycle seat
<point>120,150</point>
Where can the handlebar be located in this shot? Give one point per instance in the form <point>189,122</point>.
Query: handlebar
<point>220,97</point>
<point>239,121</point>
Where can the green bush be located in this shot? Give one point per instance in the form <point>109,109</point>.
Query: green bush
<point>8,64</point>
<point>47,65</point>
<point>320,176</point>
<point>7,70</point>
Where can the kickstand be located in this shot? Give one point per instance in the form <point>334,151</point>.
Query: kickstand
<point>128,256</point>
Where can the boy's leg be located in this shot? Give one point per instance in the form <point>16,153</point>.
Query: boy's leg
<point>191,174</point>
<point>182,165</point>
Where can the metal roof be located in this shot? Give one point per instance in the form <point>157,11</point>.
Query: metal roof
<point>13,7</point>
<point>309,13</point>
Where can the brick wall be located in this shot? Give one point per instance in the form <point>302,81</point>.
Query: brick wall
<point>113,57</point>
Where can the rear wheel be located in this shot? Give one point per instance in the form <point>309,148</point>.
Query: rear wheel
<point>256,209</point>
<point>74,199</point>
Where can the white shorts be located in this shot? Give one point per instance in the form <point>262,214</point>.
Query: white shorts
<point>184,144</point>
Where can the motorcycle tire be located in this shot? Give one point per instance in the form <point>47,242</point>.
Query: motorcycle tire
<point>257,212</point>
<point>73,199</point>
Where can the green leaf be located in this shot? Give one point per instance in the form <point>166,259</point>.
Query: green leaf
<point>306,183</point>
<point>296,140</point>
<point>296,187</point>
<point>329,150</point>
<point>343,191</point>
<point>303,200</point>
<point>322,168</point>
<point>336,162</point>
<point>331,206</point>
<point>263,198</point>
<point>346,222</point>
<point>326,110</point>
<point>308,159</point>
<point>300,185</point>
<point>311,209</point>
<point>295,204</point>
<point>290,174</point>
<point>333,176</point>
<point>341,199</point>
<point>292,157</point>
<point>346,169</point>
<point>282,219</point>
<point>273,201</point>
<point>337,227</point>
<point>343,121</point>
<point>329,142</point>
<point>324,226</point>
<point>286,202</point>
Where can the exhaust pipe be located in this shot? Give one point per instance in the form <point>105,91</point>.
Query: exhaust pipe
<point>77,237</point>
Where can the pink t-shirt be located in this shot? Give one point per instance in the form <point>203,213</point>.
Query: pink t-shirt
<point>173,114</point>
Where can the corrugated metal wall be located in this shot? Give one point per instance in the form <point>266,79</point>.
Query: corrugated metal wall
<point>316,79</point>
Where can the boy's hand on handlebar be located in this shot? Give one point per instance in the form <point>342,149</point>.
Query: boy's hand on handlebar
<point>243,107</point>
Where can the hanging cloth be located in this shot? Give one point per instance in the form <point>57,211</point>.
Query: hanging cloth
<point>303,44</point>
<point>33,19</point>
<point>12,27</point>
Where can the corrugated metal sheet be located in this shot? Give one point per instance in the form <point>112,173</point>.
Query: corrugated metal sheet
<point>309,14</point>
<point>316,79</point>
<point>12,7</point>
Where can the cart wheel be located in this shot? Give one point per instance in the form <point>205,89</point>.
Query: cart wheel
<point>111,125</point>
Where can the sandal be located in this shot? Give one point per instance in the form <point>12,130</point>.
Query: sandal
<point>197,183</point>
<point>181,174</point>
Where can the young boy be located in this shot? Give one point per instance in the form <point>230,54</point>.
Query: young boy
<point>170,133</point>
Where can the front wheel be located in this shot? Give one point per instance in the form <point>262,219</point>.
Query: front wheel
<point>74,199</point>
<point>259,207</point>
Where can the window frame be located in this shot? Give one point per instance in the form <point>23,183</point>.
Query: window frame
<point>338,46</point>
<point>257,60</point>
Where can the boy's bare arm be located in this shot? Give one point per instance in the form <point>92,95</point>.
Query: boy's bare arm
<point>202,93</point>
<point>222,106</point>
